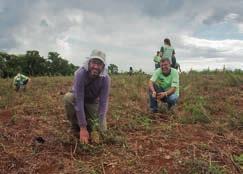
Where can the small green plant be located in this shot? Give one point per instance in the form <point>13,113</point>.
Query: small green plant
<point>196,110</point>
<point>163,171</point>
<point>239,160</point>
<point>13,119</point>
<point>144,121</point>
<point>201,167</point>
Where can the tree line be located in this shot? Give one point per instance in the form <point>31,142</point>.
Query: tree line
<point>32,64</point>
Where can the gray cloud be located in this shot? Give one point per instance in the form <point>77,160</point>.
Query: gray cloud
<point>130,31</point>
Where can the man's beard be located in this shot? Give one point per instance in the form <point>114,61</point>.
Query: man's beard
<point>94,72</point>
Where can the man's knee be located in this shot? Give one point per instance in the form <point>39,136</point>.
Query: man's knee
<point>68,98</point>
<point>172,99</point>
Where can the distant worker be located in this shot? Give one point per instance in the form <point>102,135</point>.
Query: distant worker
<point>130,71</point>
<point>157,60</point>
<point>87,104</point>
<point>20,82</point>
<point>164,86</point>
<point>167,51</point>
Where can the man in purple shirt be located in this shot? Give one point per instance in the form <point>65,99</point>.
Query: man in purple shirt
<point>87,104</point>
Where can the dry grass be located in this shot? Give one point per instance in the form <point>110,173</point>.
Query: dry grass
<point>204,131</point>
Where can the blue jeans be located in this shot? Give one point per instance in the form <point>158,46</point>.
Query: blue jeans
<point>170,100</point>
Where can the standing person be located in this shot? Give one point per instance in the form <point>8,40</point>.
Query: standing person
<point>164,86</point>
<point>157,60</point>
<point>130,71</point>
<point>167,51</point>
<point>87,104</point>
<point>20,81</point>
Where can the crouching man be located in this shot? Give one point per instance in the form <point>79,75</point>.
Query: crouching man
<point>87,104</point>
<point>164,86</point>
<point>20,82</point>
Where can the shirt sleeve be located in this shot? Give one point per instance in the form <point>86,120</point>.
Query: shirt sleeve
<point>154,76</point>
<point>79,98</point>
<point>175,80</point>
<point>103,98</point>
<point>24,77</point>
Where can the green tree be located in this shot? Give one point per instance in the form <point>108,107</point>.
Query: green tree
<point>113,69</point>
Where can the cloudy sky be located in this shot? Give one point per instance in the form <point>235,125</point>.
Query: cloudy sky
<point>204,34</point>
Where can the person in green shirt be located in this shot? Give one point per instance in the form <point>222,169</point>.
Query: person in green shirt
<point>20,81</point>
<point>164,86</point>
<point>157,59</point>
<point>167,51</point>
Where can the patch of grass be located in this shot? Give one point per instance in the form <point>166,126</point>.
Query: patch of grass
<point>201,167</point>
<point>203,146</point>
<point>13,119</point>
<point>87,149</point>
<point>144,121</point>
<point>196,111</point>
<point>232,79</point>
<point>84,168</point>
<point>235,122</point>
<point>239,160</point>
<point>6,93</point>
<point>111,138</point>
<point>163,171</point>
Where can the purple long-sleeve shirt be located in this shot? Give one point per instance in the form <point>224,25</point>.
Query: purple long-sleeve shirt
<point>88,90</point>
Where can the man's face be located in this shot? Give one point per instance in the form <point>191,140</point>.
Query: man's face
<point>165,67</point>
<point>95,67</point>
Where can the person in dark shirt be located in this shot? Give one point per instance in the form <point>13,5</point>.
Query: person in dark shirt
<point>87,104</point>
<point>130,71</point>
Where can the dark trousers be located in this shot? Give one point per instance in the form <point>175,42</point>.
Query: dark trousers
<point>157,65</point>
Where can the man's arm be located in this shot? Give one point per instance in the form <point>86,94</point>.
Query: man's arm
<point>152,81</point>
<point>170,91</point>
<point>173,53</point>
<point>151,88</point>
<point>79,98</point>
<point>161,51</point>
<point>179,67</point>
<point>103,103</point>
<point>79,105</point>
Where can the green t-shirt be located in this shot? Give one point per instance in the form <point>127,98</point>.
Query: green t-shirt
<point>20,78</point>
<point>157,59</point>
<point>166,82</point>
<point>167,51</point>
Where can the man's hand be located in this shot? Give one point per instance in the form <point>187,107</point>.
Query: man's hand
<point>161,95</point>
<point>154,94</point>
<point>84,136</point>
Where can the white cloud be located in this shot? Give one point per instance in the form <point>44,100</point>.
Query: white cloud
<point>130,32</point>
<point>240,26</point>
<point>231,16</point>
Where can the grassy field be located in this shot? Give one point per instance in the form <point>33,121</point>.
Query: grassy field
<point>203,134</point>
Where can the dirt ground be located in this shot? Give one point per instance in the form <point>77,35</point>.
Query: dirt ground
<point>35,138</point>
